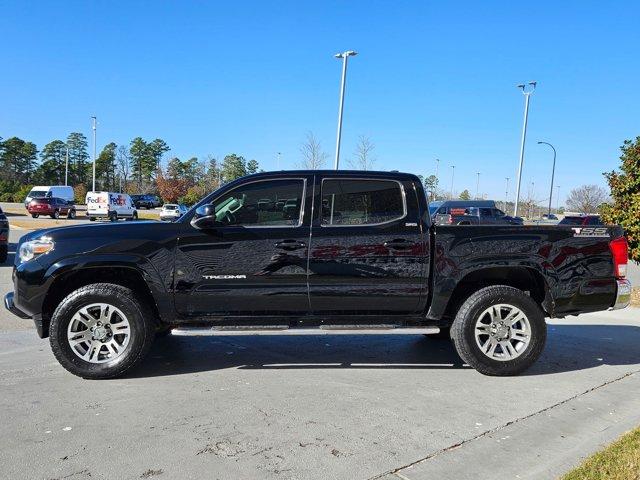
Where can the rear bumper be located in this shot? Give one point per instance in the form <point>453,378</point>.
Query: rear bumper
<point>623,294</point>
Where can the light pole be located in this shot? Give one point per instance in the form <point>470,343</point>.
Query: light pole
<point>453,171</point>
<point>478,186</point>
<point>94,154</point>
<point>558,199</point>
<point>527,95</point>
<point>506,194</point>
<point>437,168</point>
<point>553,171</point>
<point>344,56</point>
<point>66,166</point>
<point>279,153</point>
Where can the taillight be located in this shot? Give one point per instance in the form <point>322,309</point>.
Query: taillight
<point>450,219</point>
<point>620,252</point>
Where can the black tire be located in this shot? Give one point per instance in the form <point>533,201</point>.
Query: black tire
<point>56,214</point>
<point>35,215</point>
<point>443,334</point>
<point>113,216</point>
<point>463,330</point>
<point>141,321</point>
<point>4,253</point>
<point>72,214</point>
<point>133,217</point>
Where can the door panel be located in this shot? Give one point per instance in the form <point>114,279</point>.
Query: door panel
<point>255,262</point>
<point>378,266</point>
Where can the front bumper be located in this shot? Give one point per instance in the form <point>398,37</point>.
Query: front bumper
<point>9,305</point>
<point>623,294</point>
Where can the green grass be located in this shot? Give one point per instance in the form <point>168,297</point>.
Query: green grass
<point>618,461</point>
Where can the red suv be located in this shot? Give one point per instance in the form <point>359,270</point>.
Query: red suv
<point>52,206</point>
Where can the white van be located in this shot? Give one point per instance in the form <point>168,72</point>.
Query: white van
<point>110,205</point>
<point>57,191</point>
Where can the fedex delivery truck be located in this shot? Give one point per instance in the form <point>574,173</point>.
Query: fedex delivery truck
<point>109,205</point>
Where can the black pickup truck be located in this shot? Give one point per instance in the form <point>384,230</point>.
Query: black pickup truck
<point>309,250</point>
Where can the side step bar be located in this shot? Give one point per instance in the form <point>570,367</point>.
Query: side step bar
<point>285,330</point>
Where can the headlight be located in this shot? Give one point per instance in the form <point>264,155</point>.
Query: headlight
<point>34,248</point>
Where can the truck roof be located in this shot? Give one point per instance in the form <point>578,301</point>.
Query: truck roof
<point>342,173</point>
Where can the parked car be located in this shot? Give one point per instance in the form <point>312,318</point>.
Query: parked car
<point>4,237</point>
<point>58,191</point>
<point>354,251</point>
<point>52,206</point>
<point>110,205</point>
<point>462,212</point>
<point>583,220</point>
<point>172,211</point>
<point>146,201</point>
<point>549,216</point>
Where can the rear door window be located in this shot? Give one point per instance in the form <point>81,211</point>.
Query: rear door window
<point>356,202</point>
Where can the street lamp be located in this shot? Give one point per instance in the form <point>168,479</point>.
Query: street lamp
<point>553,171</point>
<point>558,199</point>
<point>527,94</point>
<point>279,153</point>
<point>94,154</point>
<point>478,186</point>
<point>453,171</point>
<point>344,56</point>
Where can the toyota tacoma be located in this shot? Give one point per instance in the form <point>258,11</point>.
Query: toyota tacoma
<point>314,251</point>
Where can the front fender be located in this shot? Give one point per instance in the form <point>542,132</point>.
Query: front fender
<point>154,280</point>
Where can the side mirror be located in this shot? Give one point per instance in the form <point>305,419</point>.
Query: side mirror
<point>205,218</point>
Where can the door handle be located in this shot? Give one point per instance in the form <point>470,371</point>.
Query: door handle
<point>291,245</point>
<point>399,244</point>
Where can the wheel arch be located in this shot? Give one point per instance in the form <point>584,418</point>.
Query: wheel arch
<point>523,278</point>
<point>129,276</point>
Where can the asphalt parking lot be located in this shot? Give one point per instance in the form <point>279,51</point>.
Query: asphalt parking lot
<point>321,406</point>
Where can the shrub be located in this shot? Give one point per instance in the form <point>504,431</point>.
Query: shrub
<point>80,193</point>
<point>625,193</point>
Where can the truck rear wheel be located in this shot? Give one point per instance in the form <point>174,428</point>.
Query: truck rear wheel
<point>101,331</point>
<point>499,330</point>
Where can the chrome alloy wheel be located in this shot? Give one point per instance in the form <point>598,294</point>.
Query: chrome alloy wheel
<point>98,333</point>
<point>502,332</point>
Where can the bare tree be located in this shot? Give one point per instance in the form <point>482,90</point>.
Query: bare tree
<point>363,158</point>
<point>123,161</point>
<point>312,155</point>
<point>586,198</point>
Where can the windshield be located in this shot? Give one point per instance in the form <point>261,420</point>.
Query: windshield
<point>170,207</point>
<point>37,193</point>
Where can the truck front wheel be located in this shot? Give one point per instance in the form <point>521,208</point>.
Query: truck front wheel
<point>499,330</point>
<point>101,331</point>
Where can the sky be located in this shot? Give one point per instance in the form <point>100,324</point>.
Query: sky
<point>432,80</point>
